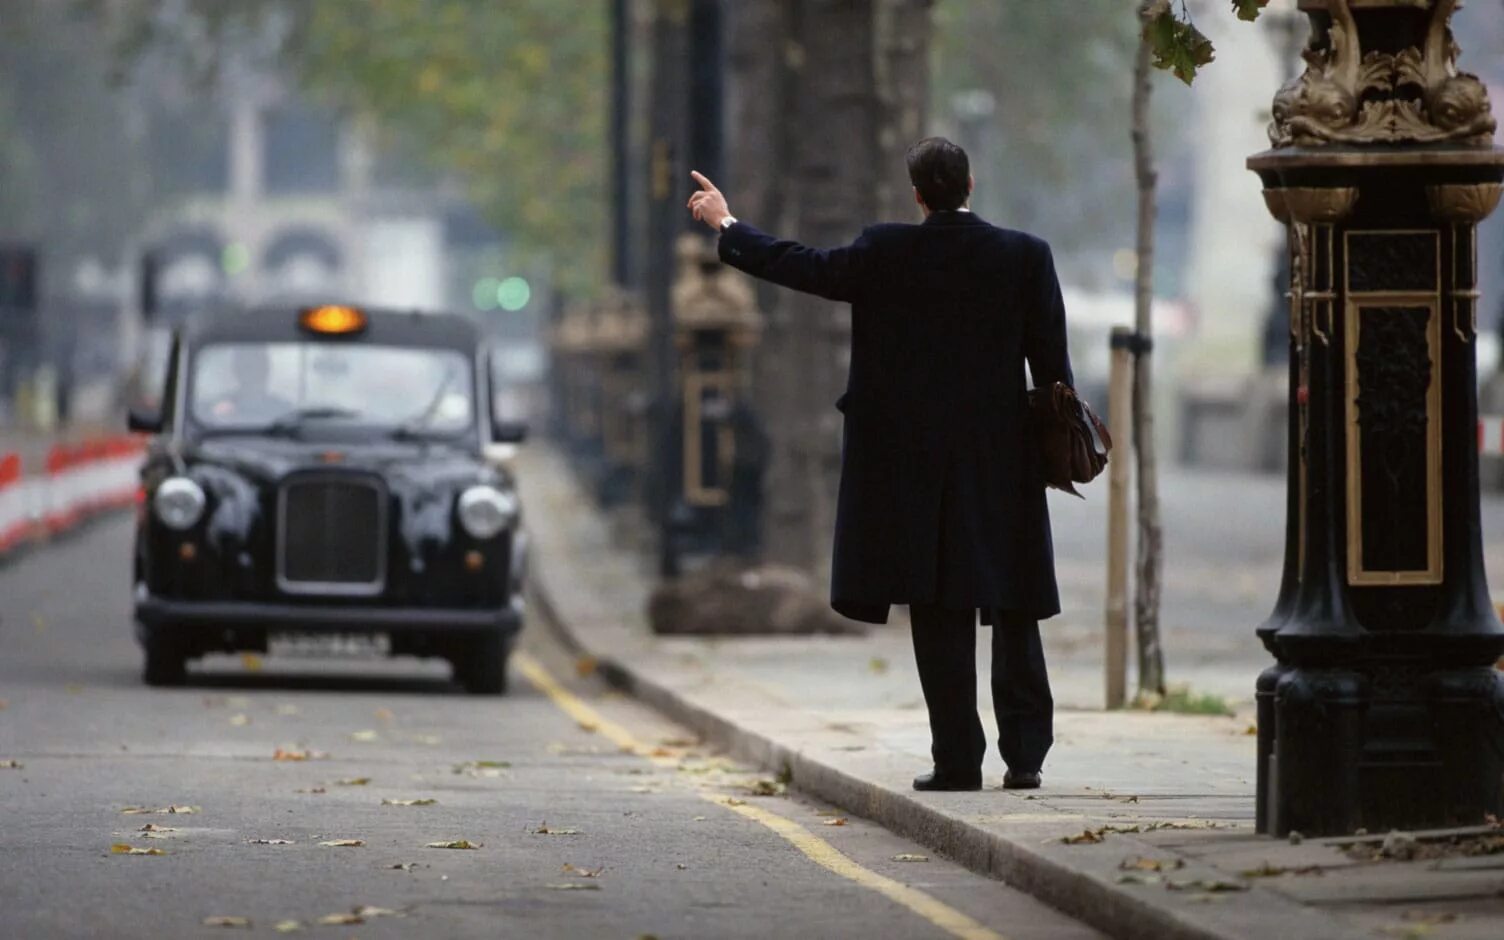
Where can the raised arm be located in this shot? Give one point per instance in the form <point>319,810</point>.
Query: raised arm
<point>833,273</point>
<point>1044,324</point>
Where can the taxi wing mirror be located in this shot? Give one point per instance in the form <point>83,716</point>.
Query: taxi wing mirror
<point>142,421</point>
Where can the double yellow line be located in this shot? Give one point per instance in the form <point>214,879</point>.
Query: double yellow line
<point>816,849</point>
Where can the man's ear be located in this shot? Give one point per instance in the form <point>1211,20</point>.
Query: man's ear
<point>971,184</point>
<point>918,199</point>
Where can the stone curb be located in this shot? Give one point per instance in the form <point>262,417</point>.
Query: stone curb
<point>1080,894</point>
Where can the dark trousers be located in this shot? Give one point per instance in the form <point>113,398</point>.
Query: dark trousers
<point>945,649</point>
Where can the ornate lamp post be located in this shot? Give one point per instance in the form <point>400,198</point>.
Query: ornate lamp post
<point>715,435</point>
<point>1384,709</point>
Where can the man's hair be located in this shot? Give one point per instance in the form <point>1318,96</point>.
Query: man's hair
<point>941,172</point>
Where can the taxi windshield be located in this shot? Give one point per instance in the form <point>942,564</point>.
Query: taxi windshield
<point>294,385</point>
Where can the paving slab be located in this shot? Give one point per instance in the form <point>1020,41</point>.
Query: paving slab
<point>1144,829</point>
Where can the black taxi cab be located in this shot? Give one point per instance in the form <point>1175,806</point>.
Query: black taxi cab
<point>328,473</point>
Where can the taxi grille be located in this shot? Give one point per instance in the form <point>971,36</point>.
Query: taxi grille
<point>332,535</point>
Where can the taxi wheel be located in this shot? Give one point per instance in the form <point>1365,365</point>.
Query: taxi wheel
<point>166,664</point>
<point>484,670</point>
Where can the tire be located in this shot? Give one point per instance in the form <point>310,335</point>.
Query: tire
<point>166,663</point>
<point>483,671</point>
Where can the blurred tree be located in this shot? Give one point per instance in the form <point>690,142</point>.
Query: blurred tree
<point>507,96</point>
<point>72,156</point>
<point>825,97</point>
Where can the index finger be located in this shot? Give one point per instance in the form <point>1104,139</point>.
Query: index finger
<point>705,184</point>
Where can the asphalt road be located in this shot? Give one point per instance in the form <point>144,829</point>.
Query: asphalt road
<point>595,817</point>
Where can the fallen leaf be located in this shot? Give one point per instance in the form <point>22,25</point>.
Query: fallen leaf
<point>589,726</point>
<point>910,857</point>
<point>251,662</point>
<point>340,920</point>
<point>367,735</point>
<point>239,721</point>
<point>288,926</point>
<point>4,704</point>
<point>838,821</point>
<point>354,781</point>
<point>877,665</point>
<point>269,842</point>
<point>679,742</point>
<point>121,848</point>
<point>314,790</point>
<point>681,866</point>
<point>344,843</point>
<point>284,754</point>
<point>575,886</point>
<point>544,830</point>
<point>1267,870</point>
<point>569,869</point>
<point>153,827</point>
<point>173,810</point>
<point>384,714</point>
<point>767,788</point>
<point>586,666</point>
<point>286,711</point>
<point>227,922</point>
<point>367,910</point>
<point>456,844</point>
<point>703,818</point>
<point>1087,837</point>
<point>1139,863</point>
<point>73,688</point>
<point>730,801</point>
<point>660,752</point>
<point>404,866</point>
<point>421,801</point>
<point>644,789</point>
<point>1251,731</point>
<point>11,765</point>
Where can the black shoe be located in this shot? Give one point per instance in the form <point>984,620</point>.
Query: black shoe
<point>941,780</point>
<point>1021,781</point>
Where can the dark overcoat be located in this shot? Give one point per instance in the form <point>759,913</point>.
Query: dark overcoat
<point>941,498</point>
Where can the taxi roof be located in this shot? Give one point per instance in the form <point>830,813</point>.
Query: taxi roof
<point>281,323</point>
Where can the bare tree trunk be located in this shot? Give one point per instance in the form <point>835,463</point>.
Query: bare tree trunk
<point>763,60</point>
<point>836,122</point>
<point>1151,665</point>
<point>902,33</point>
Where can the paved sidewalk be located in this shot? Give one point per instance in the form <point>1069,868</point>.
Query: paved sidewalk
<point>1144,829</point>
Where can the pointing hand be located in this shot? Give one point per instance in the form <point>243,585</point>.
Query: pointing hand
<point>708,205</point>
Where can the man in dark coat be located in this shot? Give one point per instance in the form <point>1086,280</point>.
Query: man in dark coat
<point>941,506</point>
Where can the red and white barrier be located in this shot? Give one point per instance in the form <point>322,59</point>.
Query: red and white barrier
<point>74,482</point>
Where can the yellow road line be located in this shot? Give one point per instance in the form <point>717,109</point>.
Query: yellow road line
<point>819,851</point>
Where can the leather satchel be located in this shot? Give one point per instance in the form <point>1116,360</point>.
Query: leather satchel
<point>1072,442</point>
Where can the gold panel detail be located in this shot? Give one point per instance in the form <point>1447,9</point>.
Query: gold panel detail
<point>1320,205</point>
<point>1358,574</point>
<point>1464,202</point>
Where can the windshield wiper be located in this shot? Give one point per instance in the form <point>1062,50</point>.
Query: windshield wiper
<point>293,420</point>
<point>415,427</point>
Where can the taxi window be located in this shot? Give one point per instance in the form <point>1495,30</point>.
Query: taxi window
<point>255,385</point>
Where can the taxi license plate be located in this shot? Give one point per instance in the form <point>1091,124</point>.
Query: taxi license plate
<point>330,645</point>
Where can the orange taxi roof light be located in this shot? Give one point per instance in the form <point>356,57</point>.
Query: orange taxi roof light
<point>333,320</point>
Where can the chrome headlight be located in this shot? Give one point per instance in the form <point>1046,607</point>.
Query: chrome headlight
<point>179,503</point>
<point>484,511</point>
